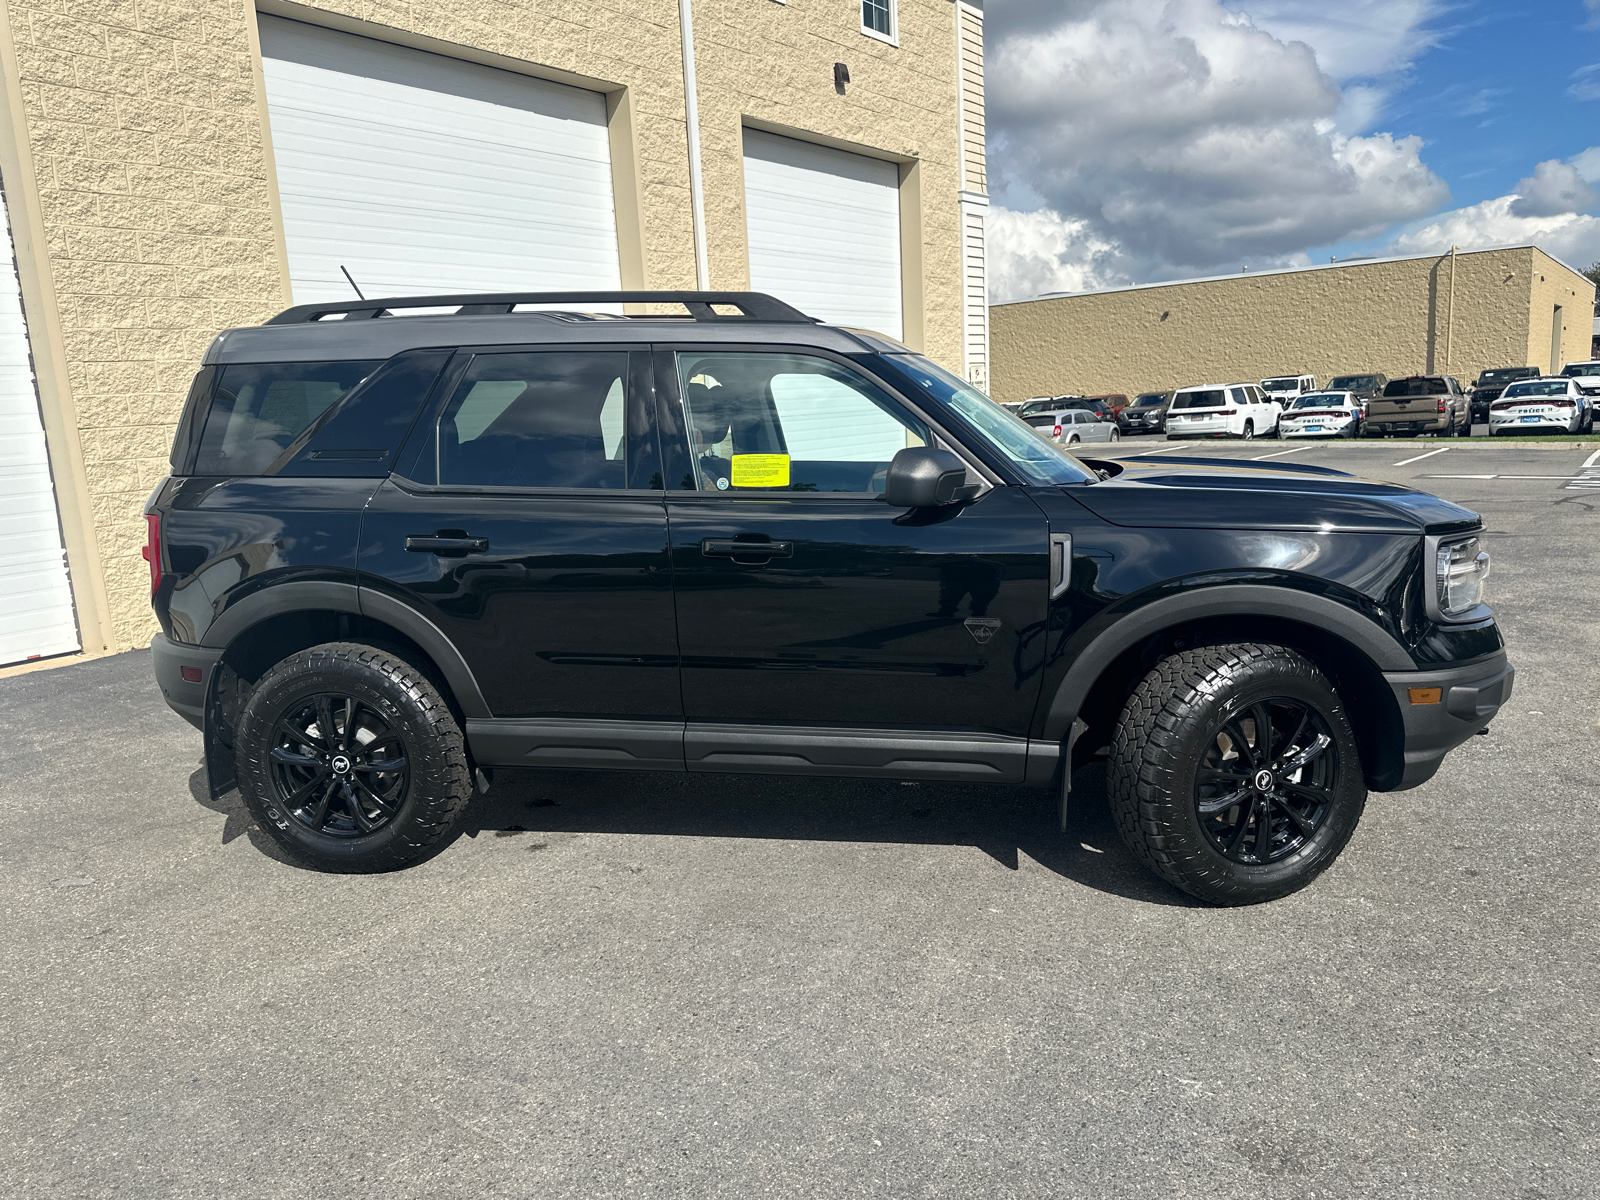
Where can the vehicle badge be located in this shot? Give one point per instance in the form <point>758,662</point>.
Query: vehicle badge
<point>982,628</point>
<point>722,483</point>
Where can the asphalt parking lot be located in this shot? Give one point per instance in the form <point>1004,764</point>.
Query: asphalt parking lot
<point>639,986</point>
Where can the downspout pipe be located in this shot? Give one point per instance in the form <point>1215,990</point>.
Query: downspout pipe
<point>691,112</point>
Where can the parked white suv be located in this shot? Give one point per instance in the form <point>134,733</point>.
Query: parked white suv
<point>1286,389</point>
<point>1223,410</point>
<point>1586,374</point>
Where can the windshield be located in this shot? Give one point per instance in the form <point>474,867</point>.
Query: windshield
<point>1149,400</point>
<point>1353,383</point>
<point>1036,459</point>
<point>1538,387</point>
<point>1320,400</point>
<point>1213,398</point>
<point>1281,385</point>
<point>1507,374</point>
<point>1575,369</point>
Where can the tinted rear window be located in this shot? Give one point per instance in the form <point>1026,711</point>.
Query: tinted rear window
<point>1213,398</point>
<point>1353,383</point>
<point>1415,387</point>
<point>257,409</point>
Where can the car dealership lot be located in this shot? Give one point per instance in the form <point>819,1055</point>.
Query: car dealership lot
<point>645,986</point>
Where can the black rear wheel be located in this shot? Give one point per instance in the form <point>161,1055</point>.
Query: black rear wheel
<point>350,759</point>
<point>1235,773</point>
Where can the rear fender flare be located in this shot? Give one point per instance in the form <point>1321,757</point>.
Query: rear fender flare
<point>332,596</point>
<point>1124,631</point>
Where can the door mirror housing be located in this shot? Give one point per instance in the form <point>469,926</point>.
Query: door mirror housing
<point>922,477</point>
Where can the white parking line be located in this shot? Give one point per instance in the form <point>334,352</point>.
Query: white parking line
<point>1280,453</point>
<point>1459,477</point>
<point>1160,450</point>
<point>1503,477</point>
<point>1420,457</point>
<point>1591,460</point>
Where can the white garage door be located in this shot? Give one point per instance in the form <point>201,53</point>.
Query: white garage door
<point>36,615</point>
<point>824,229</point>
<point>424,174</point>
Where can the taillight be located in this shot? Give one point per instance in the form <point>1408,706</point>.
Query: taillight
<point>1443,406</point>
<point>1564,402</point>
<point>1226,412</point>
<point>152,549</point>
<point>1502,405</point>
<point>1056,432</point>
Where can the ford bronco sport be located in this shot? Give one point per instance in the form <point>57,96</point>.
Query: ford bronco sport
<point>397,552</point>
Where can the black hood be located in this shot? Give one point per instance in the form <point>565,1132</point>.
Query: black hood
<point>1201,493</point>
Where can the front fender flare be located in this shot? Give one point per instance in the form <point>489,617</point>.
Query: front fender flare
<point>1120,632</point>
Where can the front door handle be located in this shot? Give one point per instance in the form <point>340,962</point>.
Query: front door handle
<point>446,545</point>
<point>733,548</point>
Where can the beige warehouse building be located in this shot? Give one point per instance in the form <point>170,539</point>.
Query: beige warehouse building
<point>173,169</point>
<point>1454,314</point>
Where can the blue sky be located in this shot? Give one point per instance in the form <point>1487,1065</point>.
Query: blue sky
<point>1492,96</point>
<point>1134,141</point>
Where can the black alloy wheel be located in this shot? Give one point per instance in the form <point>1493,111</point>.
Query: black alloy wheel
<point>1266,780</point>
<point>338,766</point>
<point>1235,773</point>
<point>350,759</point>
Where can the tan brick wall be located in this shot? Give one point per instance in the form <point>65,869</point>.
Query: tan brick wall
<point>1552,284</point>
<point>150,155</point>
<point>1394,317</point>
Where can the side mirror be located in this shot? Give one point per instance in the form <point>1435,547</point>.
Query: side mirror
<point>922,477</point>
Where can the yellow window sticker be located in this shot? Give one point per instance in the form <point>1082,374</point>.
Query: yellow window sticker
<point>760,470</point>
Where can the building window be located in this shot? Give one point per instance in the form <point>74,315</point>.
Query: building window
<point>877,19</point>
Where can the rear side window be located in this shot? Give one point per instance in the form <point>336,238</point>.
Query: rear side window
<point>552,418</point>
<point>257,409</point>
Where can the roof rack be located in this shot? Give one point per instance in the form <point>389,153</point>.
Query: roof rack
<point>752,306</point>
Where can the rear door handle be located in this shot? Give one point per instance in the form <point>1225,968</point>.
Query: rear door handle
<point>731,548</point>
<point>429,543</point>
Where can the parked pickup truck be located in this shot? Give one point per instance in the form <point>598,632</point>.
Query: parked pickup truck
<point>1419,404</point>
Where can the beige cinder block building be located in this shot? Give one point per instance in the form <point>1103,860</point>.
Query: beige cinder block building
<point>1454,314</point>
<point>174,168</point>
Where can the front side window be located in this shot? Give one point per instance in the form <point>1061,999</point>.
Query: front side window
<point>877,16</point>
<point>537,419</point>
<point>259,408</point>
<point>789,422</point>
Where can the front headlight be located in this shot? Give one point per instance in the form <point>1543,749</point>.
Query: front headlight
<point>1459,573</point>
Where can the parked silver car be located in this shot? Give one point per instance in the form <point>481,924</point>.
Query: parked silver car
<point>1070,426</point>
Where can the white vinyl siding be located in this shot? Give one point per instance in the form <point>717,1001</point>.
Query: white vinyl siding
<point>974,291</point>
<point>36,614</point>
<point>425,174</point>
<point>824,229</point>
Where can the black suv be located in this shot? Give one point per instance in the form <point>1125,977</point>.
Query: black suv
<point>398,552</point>
<point>1490,386</point>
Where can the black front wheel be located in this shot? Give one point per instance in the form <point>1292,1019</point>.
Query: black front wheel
<point>350,759</point>
<point>1235,773</point>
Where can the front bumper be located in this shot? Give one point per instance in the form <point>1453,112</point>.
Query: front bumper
<point>186,697</point>
<point>1468,699</point>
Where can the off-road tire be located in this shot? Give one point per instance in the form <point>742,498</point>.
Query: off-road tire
<point>1249,433</point>
<point>437,790</point>
<point>1169,723</point>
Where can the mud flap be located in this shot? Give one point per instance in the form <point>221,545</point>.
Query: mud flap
<point>220,773</point>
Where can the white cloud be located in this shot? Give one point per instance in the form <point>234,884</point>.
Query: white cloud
<point>1585,83</point>
<point>1554,188</point>
<point>1587,164</point>
<point>1164,138</point>
<point>1573,237</point>
<point>1353,39</point>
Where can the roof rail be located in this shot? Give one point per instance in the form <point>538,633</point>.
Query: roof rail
<point>752,306</point>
